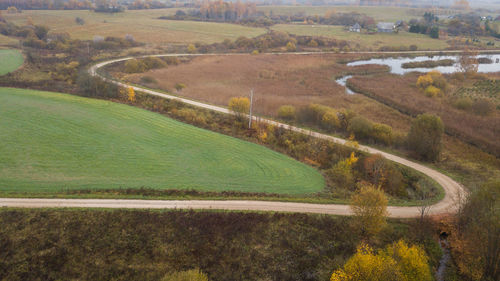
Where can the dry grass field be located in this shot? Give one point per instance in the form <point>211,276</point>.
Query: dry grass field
<point>378,13</point>
<point>400,92</point>
<point>277,80</point>
<point>365,41</point>
<point>144,25</point>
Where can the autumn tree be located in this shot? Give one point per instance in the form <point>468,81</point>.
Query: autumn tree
<point>131,94</point>
<point>467,62</point>
<point>478,241</point>
<point>397,262</point>
<point>424,138</point>
<point>369,205</point>
<point>191,49</point>
<point>239,105</point>
<point>290,47</point>
<point>340,175</point>
<point>286,112</point>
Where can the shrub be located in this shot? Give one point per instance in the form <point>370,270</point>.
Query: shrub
<point>424,138</point>
<point>135,66</point>
<point>432,91</point>
<point>463,103</point>
<point>153,62</point>
<point>148,79</point>
<point>438,80</point>
<point>330,120</point>
<point>171,60</point>
<point>189,275</point>
<point>382,133</point>
<point>384,174</point>
<point>191,49</point>
<point>290,47</point>
<point>179,86</point>
<point>312,43</point>
<point>483,107</point>
<point>191,116</point>
<point>340,175</point>
<point>239,105</point>
<point>424,81</point>
<point>361,127</point>
<point>396,262</point>
<point>286,112</point>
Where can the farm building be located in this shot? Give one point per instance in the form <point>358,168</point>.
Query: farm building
<point>355,28</point>
<point>385,27</point>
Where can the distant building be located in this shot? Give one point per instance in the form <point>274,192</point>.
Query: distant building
<point>355,28</point>
<point>385,27</point>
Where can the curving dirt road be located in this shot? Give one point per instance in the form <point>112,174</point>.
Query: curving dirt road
<point>452,188</point>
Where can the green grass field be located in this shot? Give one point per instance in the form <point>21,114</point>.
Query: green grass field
<point>423,42</point>
<point>52,142</point>
<point>10,60</point>
<point>144,25</point>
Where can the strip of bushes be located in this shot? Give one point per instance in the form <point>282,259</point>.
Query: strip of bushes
<point>428,63</point>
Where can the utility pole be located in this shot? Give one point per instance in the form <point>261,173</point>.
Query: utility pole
<point>251,105</point>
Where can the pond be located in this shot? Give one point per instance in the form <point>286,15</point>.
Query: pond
<point>396,64</point>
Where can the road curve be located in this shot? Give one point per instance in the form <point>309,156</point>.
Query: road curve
<point>447,204</point>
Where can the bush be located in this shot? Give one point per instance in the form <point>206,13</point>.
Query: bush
<point>361,127</point>
<point>179,86</point>
<point>463,103</point>
<point>382,133</point>
<point>190,275</point>
<point>290,47</point>
<point>153,62</point>
<point>424,81</point>
<point>397,262</point>
<point>483,107</point>
<point>330,120</point>
<point>239,105</point>
<point>148,80</point>
<point>286,112</point>
<point>432,91</point>
<point>135,66</point>
<point>424,138</point>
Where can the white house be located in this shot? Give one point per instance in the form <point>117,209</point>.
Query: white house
<point>355,28</point>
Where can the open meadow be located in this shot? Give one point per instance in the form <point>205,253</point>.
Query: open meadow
<point>10,60</point>
<point>277,80</point>
<point>143,25</point>
<point>367,41</point>
<point>54,142</point>
<point>378,13</point>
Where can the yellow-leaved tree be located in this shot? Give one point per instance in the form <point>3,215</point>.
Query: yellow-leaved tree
<point>369,205</point>
<point>397,262</point>
<point>239,105</point>
<point>131,94</point>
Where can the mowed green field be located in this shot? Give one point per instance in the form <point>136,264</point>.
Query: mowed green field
<point>51,142</point>
<point>423,42</point>
<point>143,25</point>
<point>10,60</point>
